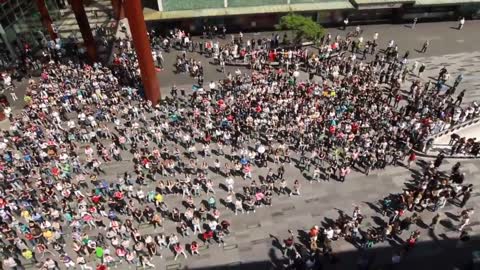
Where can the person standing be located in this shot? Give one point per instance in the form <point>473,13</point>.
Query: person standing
<point>467,193</point>
<point>412,240</point>
<point>344,171</point>
<point>345,23</point>
<point>421,70</point>
<point>83,264</point>
<point>415,20</point>
<point>411,159</point>
<point>289,245</point>
<point>159,59</point>
<point>465,221</point>
<point>425,46</point>
<point>460,98</point>
<point>461,22</point>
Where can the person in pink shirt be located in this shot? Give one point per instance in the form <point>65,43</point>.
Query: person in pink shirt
<point>179,250</point>
<point>344,171</point>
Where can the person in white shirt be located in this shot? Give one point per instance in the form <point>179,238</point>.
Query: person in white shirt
<point>345,23</point>
<point>83,264</point>
<point>230,182</point>
<point>212,86</point>
<point>461,23</point>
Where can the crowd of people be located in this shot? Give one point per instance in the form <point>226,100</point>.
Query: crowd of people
<point>430,190</point>
<point>62,184</point>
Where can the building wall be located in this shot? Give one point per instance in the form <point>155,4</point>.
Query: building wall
<point>261,21</point>
<point>171,5</point>
<point>250,3</point>
<point>21,23</point>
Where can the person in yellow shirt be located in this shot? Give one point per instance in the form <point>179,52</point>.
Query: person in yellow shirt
<point>158,199</point>
<point>325,92</point>
<point>26,215</point>
<point>27,99</point>
<point>28,255</point>
<point>48,235</point>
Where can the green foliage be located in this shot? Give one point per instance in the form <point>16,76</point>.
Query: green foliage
<point>304,27</point>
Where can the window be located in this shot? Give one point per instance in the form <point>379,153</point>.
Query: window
<point>11,18</point>
<point>4,21</point>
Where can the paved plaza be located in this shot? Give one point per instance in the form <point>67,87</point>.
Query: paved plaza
<point>251,245</point>
<point>254,240</point>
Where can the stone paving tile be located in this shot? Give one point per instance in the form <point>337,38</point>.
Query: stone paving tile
<point>250,237</point>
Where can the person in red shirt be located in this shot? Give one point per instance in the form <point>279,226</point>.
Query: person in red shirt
<point>96,199</point>
<point>207,236</point>
<point>102,267</point>
<point>194,248</point>
<point>411,158</point>
<point>332,129</point>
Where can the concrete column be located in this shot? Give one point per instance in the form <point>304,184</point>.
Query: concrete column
<point>160,5</point>
<point>138,29</point>
<point>225,3</point>
<point>46,20</point>
<point>82,20</point>
<point>288,2</point>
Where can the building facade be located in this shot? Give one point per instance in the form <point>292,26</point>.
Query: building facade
<point>263,14</point>
<point>20,23</point>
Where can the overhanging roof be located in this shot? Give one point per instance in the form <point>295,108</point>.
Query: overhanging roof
<point>444,2</point>
<point>151,15</point>
<point>330,5</point>
<point>382,2</point>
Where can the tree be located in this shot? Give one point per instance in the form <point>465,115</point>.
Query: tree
<point>304,27</point>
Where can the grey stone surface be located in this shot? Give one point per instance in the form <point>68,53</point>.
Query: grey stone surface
<point>250,240</point>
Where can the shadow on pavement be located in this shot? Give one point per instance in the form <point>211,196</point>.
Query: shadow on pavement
<point>444,253</point>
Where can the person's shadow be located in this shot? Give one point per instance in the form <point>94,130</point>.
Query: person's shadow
<point>276,242</point>
<point>451,216</point>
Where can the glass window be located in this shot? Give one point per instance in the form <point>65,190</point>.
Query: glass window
<point>11,18</point>
<point>7,7</point>
<point>25,6</point>
<point>18,13</point>
<point>4,21</point>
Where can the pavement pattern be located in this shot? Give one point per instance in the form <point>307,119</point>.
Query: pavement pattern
<point>251,245</point>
